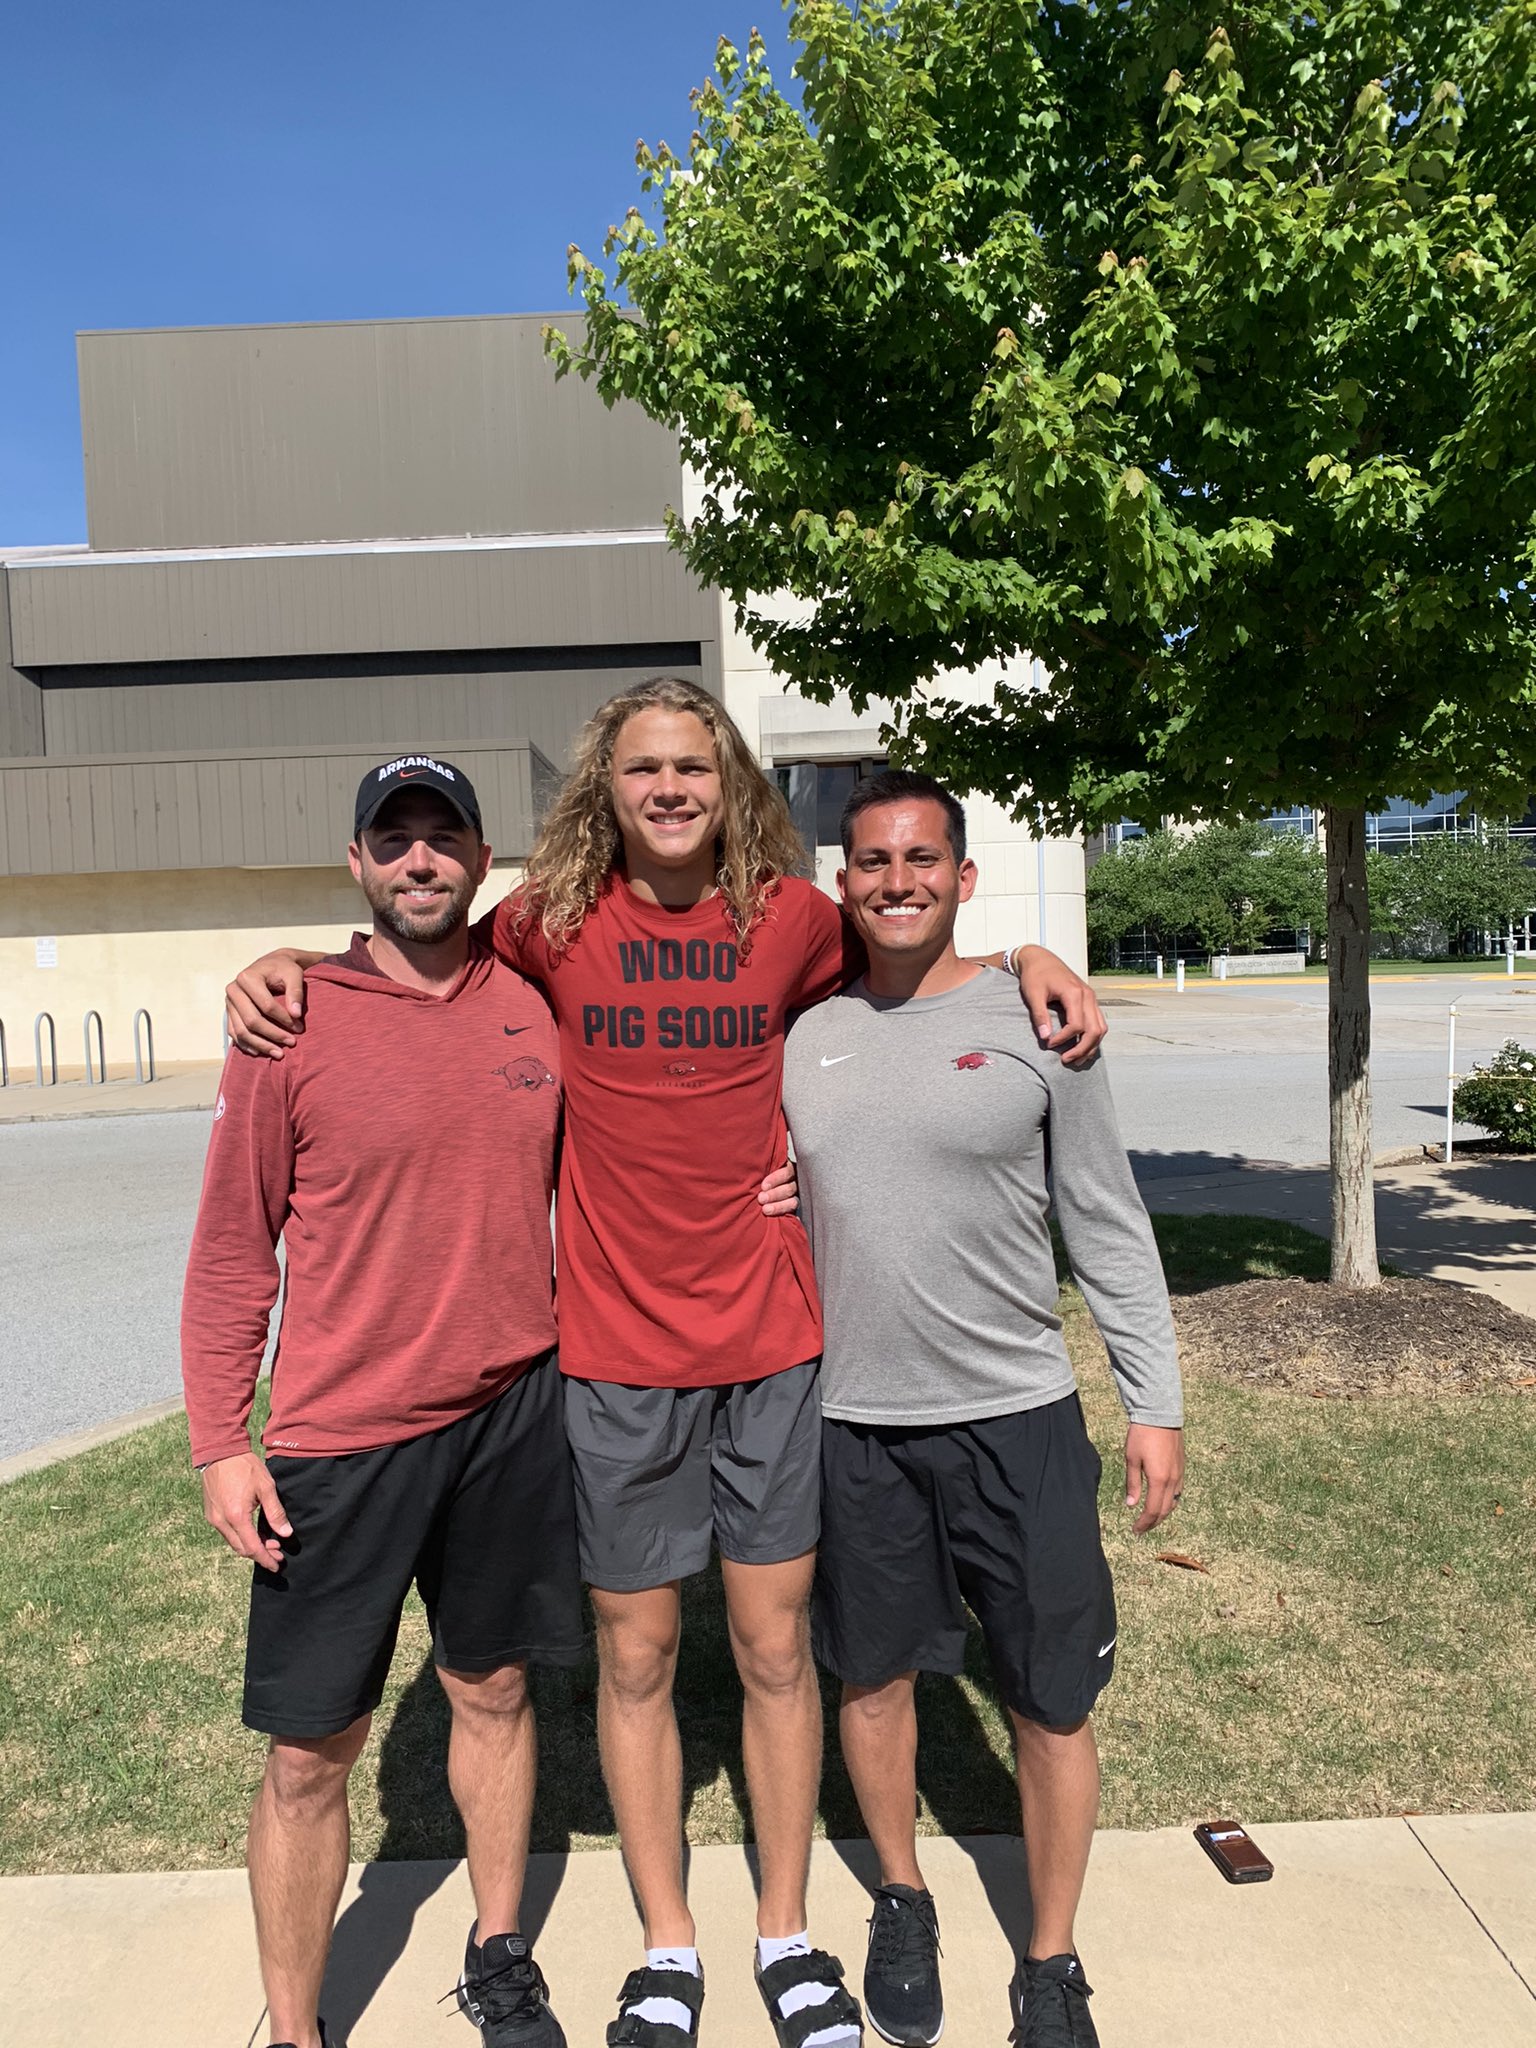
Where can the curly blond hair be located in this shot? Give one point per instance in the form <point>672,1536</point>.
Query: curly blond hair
<point>578,845</point>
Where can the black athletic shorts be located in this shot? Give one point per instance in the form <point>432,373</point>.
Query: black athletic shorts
<point>1000,1516</point>
<point>480,1514</point>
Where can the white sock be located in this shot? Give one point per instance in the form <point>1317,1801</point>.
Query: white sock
<point>669,2012</point>
<point>771,1948</point>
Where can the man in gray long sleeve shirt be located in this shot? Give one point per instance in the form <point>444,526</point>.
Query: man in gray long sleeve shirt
<point>956,1470</point>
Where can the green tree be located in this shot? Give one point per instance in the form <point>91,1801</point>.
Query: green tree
<point>1249,879</point>
<point>1143,884</point>
<point>1194,353</point>
<point>1226,886</point>
<point>1444,889</point>
<point>1387,911</point>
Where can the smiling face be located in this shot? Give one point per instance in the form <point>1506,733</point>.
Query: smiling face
<point>903,887</point>
<point>666,790</point>
<point>419,865</point>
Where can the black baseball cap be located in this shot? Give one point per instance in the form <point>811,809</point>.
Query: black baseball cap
<point>415,771</point>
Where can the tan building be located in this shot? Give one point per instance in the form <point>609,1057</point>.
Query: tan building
<point>311,547</point>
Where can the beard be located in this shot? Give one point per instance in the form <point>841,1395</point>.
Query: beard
<point>415,928</point>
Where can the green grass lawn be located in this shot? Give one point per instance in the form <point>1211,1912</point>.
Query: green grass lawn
<point>1363,1642</point>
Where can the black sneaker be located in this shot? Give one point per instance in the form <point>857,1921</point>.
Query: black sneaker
<point>326,2040</point>
<point>902,1995</point>
<point>503,1992</point>
<point>1051,1998</point>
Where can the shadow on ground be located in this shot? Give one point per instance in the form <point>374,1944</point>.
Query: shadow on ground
<point>962,1782</point>
<point>967,1789</point>
<point>1477,1214</point>
<point>421,1826</point>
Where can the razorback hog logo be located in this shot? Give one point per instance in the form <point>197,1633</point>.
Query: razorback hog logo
<point>525,1073</point>
<point>679,1067</point>
<point>968,1062</point>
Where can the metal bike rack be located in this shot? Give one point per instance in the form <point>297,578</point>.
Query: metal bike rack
<point>91,1080</point>
<point>38,1022</point>
<point>149,1042</point>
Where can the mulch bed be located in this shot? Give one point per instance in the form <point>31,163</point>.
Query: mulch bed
<point>1404,1337</point>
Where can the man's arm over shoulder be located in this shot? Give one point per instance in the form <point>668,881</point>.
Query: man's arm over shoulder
<point>834,954</point>
<point>1047,985</point>
<point>515,937</point>
<point>232,1269</point>
<point>1109,1241</point>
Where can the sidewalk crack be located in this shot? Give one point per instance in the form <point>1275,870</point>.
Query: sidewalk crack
<point>1530,1990</point>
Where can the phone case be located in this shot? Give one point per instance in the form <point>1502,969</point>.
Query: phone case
<point>1234,1852</point>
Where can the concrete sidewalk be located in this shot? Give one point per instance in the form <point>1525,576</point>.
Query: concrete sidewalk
<point>1415,1933</point>
<point>190,1086</point>
<point>1473,1221</point>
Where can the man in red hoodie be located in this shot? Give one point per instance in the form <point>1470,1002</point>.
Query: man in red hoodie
<point>405,1153</point>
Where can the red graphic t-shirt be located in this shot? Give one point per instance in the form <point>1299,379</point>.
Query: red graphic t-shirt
<point>668,1272</point>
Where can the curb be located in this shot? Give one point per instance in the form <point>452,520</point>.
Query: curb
<point>1242,1169</point>
<point>61,1447</point>
<point>75,1116</point>
<point>1307,981</point>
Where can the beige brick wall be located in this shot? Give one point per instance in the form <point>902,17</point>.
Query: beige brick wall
<point>164,942</point>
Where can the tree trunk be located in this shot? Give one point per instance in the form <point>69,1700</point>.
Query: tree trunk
<point>1350,1158</point>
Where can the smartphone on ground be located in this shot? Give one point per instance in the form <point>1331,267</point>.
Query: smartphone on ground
<point>1234,1852</point>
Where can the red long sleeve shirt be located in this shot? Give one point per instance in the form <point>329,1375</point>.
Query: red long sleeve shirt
<point>404,1151</point>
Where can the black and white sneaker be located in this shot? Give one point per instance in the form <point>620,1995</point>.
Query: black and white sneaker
<point>1051,1999</point>
<point>903,1999</point>
<point>502,1991</point>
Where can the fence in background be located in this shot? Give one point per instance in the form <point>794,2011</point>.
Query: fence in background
<point>38,1022</point>
<point>138,1056</point>
<point>92,1079</point>
<point>95,1057</point>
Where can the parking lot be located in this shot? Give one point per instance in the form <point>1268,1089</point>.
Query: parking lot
<point>1239,1071</point>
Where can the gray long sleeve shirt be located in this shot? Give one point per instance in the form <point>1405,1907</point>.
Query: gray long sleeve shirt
<point>923,1131</point>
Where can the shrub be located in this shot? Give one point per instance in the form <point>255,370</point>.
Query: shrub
<point>1501,1097</point>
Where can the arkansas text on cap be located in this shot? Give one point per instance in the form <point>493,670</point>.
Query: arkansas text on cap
<point>416,771</point>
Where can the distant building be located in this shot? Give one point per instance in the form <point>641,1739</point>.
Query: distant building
<point>312,546</point>
<point>1400,827</point>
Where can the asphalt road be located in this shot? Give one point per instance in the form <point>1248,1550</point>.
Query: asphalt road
<point>97,1213</point>
<point>1241,1072</point>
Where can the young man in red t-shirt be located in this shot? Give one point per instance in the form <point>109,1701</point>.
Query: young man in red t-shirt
<point>664,918</point>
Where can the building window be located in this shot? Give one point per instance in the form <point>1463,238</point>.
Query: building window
<point>1299,818</point>
<point>816,792</point>
<point>1402,824</point>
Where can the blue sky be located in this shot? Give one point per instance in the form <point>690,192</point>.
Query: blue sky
<point>193,162</point>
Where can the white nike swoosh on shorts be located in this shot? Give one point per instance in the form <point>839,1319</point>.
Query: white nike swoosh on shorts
<point>839,1060</point>
<point>1109,1646</point>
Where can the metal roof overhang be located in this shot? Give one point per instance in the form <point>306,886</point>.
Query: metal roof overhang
<point>137,813</point>
<point>574,590</point>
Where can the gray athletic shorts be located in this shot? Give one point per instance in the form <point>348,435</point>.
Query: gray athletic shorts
<point>662,1470</point>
